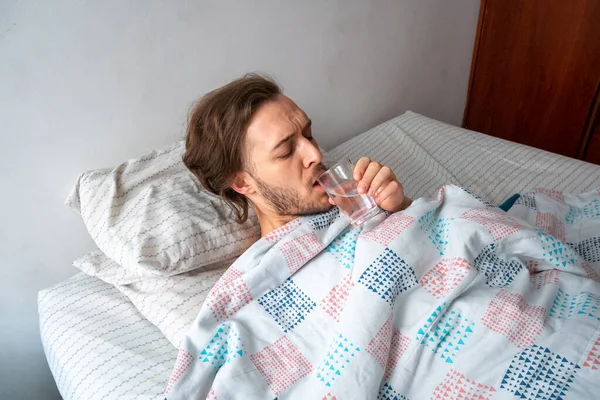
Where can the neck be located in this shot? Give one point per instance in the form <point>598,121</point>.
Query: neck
<point>270,221</point>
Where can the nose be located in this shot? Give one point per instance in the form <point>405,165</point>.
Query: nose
<point>312,154</point>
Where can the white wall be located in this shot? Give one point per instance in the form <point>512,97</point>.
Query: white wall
<point>84,84</point>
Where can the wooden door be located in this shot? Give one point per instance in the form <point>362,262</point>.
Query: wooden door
<point>535,73</point>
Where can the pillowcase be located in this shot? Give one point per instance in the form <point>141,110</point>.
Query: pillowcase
<point>152,217</point>
<point>171,303</point>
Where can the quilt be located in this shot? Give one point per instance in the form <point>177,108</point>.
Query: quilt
<point>450,298</point>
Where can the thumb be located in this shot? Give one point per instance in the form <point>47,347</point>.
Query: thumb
<point>331,201</point>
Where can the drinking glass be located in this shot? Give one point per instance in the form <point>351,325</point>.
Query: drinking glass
<point>340,185</point>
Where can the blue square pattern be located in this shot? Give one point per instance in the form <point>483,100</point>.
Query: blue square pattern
<point>589,249</point>
<point>388,276</point>
<point>340,353</point>
<point>445,332</point>
<point>527,200</point>
<point>438,230</point>
<point>498,272</point>
<point>567,306</point>
<point>287,304</point>
<point>591,210</point>
<point>481,199</point>
<point>556,251</point>
<point>224,347</point>
<point>324,220</point>
<point>538,373</point>
<point>343,247</point>
<point>387,392</point>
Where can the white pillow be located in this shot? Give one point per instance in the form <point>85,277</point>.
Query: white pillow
<point>152,216</point>
<point>169,302</point>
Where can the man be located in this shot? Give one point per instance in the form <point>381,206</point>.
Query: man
<point>252,145</point>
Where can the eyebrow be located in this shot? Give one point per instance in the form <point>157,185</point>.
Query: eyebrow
<point>290,136</point>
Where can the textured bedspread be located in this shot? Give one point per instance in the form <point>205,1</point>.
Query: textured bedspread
<point>451,298</point>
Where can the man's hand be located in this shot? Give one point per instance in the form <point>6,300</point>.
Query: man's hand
<point>379,182</point>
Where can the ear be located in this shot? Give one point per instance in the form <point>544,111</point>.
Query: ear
<point>243,184</point>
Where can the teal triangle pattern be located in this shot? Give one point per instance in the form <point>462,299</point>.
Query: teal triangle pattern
<point>567,306</point>
<point>557,252</point>
<point>445,332</point>
<point>538,373</point>
<point>437,229</point>
<point>591,210</point>
<point>225,346</point>
<point>343,247</point>
<point>340,354</point>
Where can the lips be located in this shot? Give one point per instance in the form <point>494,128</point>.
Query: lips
<point>318,172</point>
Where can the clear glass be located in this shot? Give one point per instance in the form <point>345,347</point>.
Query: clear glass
<point>340,185</point>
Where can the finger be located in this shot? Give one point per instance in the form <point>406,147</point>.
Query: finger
<point>389,190</point>
<point>370,173</point>
<point>361,167</point>
<point>384,176</point>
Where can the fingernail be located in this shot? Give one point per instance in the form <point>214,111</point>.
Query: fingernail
<point>361,188</point>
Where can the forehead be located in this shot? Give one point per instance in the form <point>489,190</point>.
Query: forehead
<point>272,122</point>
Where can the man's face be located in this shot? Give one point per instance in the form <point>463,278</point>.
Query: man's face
<point>283,161</point>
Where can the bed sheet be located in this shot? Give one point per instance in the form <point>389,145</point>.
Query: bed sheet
<point>426,154</point>
<point>98,345</point>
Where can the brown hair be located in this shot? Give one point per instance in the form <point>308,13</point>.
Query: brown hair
<point>216,130</point>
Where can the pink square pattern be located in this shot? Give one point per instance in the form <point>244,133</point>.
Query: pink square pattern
<point>498,225</point>
<point>457,386</point>
<point>299,250</point>
<point>544,278</point>
<point>276,235</point>
<point>441,193</point>
<point>281,364</point>
<point>591,272</point>
<point>379,347</point>
<point>509,315</point>
<point>532,266</point>
<point>593,358</point>
<point>333,303</point>
<point>211,395</point>
<point>553,194</point>
<point>445,276</point>
<point>389,229</point>
<point>229,294</point>
<point>397,348</point>
<point>183,362</point>
<point>551,225</point>
<point>230,274</point>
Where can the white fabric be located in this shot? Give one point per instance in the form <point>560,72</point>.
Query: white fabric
<point>151,216</point>
<point>172,303</point>
<point>426,154</point>
<point>97,344</point>
<point>449,298</point>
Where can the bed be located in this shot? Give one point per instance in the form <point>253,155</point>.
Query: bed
<point>99,346</point>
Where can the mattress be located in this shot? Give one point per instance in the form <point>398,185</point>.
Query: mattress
<point>99,346</point>
<point>425,153</point>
